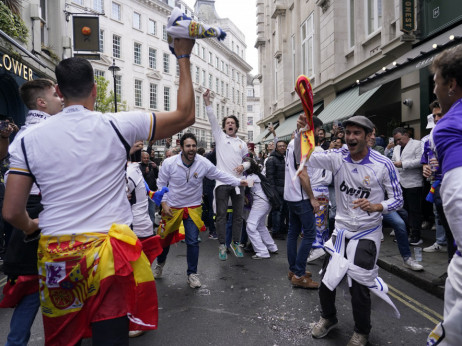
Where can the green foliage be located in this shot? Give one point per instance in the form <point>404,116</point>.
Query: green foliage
<point>12,24</point>
<point>104,102</point>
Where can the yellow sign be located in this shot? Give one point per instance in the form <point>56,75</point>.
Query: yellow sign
<point>15,66</point>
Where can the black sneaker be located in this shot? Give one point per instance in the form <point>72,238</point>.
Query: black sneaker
<point>414,241</point>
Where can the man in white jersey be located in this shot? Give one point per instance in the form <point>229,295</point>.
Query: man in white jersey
<point>20,264</point>
<point>361,177</point>
<point>82,198</point>
<point>230,152</point>
<point>184,175</point>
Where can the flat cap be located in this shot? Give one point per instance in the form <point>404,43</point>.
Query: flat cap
<point>360,120</point>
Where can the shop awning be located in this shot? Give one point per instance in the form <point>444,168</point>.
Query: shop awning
<point>345,105</point>
<point>419,57</point>
<point>287,127</point>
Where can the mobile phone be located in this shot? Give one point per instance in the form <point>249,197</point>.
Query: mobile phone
<point>3,125</point>
<point>391,140</point>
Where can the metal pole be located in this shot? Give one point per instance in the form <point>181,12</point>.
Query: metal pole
<point>115,93</point>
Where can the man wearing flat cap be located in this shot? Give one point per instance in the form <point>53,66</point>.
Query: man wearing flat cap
<point>362,176</point>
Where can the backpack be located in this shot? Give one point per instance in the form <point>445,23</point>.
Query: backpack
<point>273,196</point>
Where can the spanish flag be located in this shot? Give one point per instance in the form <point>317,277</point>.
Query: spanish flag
<point>92,277</point>
<point>171,229</point>
<point>307,143</point>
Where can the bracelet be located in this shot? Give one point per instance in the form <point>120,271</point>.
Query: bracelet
<point>183,56</point>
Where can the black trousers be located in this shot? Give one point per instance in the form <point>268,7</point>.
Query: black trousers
<point>113,332</point>
<point>412,203</point>
<point>365,256</point>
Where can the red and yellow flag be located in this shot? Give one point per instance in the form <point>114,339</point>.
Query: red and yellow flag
<point>307,143</point>
<point>93,277</point>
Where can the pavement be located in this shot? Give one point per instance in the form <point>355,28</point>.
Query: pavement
<point>435,263</point>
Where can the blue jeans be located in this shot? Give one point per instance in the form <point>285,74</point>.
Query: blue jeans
<point>191,233</point>
<point>22,320</point>
<point>395,221</point>
<point>301,217</point>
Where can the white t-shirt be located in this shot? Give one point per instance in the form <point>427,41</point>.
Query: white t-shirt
<point>33,118</point>
<point>370,178</point>
<point>142,224</point>
<point>78,158</point>
<point>293,190</point>
<point>230,150</point>
<point>259,198</point>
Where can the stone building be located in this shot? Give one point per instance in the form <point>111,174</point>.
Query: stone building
<point>344,46</point>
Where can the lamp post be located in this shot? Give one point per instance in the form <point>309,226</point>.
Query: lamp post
<point>114,68</point>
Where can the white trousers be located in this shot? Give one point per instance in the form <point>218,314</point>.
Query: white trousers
<point>451,194</point>
<point>259,235</point>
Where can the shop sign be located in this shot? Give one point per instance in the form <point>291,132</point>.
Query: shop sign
<point>408,20</point>
<point>12,65</point>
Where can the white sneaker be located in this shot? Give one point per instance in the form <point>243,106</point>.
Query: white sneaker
<point>436,248</point>
<point>135,333</point>
<point>315,254</point>
<point>413,265</point>
<point>157,271</point>
<point>193,281</point>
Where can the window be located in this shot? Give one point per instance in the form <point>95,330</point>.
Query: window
<point>250,135</point>
<point>98,5</point>
<point>164,32</point>
<point>237,49</point>
<point>198,100</point>
<point>210,58</point>
<point>249,92</point>
<point>227,69</point>
<point>153,96</point>
<point>138,93</point>
<point>198,72</point>
<point>222,67</point>
<point>137,20</point>
<point>217,85</point>
<point>222,111</point>
<point>217,63</point>
<point>43,26</point>
<point>116,11</point>
<point>232,74</point>
<point>227,90</point>
<point>250,110</point>
<point>166,63</point>
<point>374,15</point>
<point>118,86</point>
<point>152,27</point>
<point>244,79</point>
<point>238,78</point>
<point>203,53</point>
<point>203,77</point>
<point>222,88</point>
<point>178,68</point>
<point>238,98</point>
<point>218,111</point>
<point>210,81</point>
<point>292,48</point>
<point>101,40</point>
<point>137,53</point>
<point>166,98</point>
<point>307,46</point>
<point>276,79</point>
<point>232,94</point>
<point>116,46</point>
<point>351,23</point>
<point>152,58</point>
<point>99,73</point>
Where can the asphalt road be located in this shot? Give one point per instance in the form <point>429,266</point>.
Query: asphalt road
<point>251,302</point>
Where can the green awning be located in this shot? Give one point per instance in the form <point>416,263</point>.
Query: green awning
<point>290,124</point>
<point>261,136</point>
<point>345,105</point>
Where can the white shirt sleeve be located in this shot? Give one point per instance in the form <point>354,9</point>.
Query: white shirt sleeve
<point>393,188</point>
<point>213,173</point>
<point>323,159</point>
<point>135,126</point>
<point>18,161</point>
<point>163,178</point>
<point>217,131</point>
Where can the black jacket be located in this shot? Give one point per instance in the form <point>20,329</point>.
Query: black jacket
<point>275,171</point>
<point>151,176</point>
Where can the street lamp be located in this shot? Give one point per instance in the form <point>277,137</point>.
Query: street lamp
<point>114,68</point>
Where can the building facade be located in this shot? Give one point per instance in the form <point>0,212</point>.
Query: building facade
<point>342,45</point>
<point>133,35</point>
<point>253,108</point>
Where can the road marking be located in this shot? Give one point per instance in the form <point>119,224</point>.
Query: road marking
<point>415,305</point>
<point>3,282</point>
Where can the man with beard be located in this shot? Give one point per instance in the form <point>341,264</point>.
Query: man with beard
<point>183,174</point>
<point>361,177</point>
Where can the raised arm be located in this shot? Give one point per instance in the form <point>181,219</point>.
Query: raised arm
<point>216,129</point>
<point>169,123</point>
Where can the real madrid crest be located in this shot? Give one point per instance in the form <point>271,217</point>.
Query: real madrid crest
<point>367,181</point>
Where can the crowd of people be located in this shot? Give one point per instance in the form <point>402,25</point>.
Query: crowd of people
<point>82,234</point>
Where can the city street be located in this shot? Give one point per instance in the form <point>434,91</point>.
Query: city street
<point>251,302</point>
